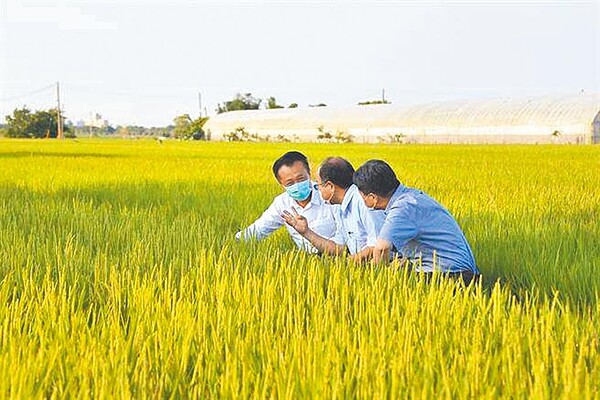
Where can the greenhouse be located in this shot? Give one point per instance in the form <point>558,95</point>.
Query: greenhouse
<point>550,119</point>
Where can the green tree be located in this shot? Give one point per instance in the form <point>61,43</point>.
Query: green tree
<point>293,105</point>
<point>372,102</point>
<point>186,127</point>
<point>182,126</point>
<point>131,130</point>
<point>122,131</point>
<point>40,124</point>
<point>272,103</point>
<point>240,102</point>
<point>342,137</point>
<point>323,134</point>
<point>196,128</point>
<point>93,131</point>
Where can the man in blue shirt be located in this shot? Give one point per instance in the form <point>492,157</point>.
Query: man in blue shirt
<point>416,226</point>
<point>357,227</point>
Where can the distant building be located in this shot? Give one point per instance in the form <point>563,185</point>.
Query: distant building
<point>549,119</point>
<point>95,121</point>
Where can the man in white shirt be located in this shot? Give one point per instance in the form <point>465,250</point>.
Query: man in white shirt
<point>358,227</point>
<point>293,174</point>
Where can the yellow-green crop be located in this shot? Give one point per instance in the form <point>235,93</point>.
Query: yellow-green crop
<point>119,277</point>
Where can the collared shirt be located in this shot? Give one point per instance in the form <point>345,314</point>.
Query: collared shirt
<point>424,232</point>
<point>357,225</point>
<point>320,216</point>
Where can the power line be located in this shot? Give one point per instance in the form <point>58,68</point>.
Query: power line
<point>28,93</point>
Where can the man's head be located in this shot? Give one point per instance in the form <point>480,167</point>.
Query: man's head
<point>293,173</point>
<point>376,182</point>
<point>334,178</point>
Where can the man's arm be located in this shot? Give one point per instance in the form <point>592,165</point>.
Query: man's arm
<point>398,229</point>
<point>368,219</point>
<point>268,222</point>
<point>300,225</point>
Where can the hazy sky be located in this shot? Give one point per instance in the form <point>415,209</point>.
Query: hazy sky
<point>144,62</point>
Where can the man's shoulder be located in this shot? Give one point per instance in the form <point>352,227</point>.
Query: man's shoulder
<point>406,199</point>
<point>282,196</point>
<point>415,204</point>
<point>422,199</point>
<point>355,202</point>
<point>282,200</point>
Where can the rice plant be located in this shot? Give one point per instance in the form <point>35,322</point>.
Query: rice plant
<point>119,277</point>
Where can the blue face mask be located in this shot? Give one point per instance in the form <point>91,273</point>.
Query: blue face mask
<point>299,191</point>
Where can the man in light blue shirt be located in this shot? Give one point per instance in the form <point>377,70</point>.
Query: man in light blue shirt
<point>415,225</point>
<point>293,174</point>
<point>357,227</point>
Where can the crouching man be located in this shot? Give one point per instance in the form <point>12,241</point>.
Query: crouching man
<point>293,174</point>
<point>416,226</point>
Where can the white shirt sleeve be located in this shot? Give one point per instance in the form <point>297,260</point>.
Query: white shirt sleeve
<point>371,231</point>
<point>268,222</point>
<point>340,235</point>
<point>373,222</point>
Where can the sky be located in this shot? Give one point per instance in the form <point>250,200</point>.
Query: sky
<point>145,62</point>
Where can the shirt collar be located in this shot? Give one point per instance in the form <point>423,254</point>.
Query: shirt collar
<point>315,196</point>
<point>397,193</point>
<point>315,190</point>
<point>348,196</point>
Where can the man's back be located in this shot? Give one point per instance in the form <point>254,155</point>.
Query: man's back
<point>423,231</point>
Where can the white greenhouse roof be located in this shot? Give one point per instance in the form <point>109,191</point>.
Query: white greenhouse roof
<point>534,117</point>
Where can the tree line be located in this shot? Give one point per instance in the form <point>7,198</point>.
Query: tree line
<point>24,123</point>
<point>28,124</point>
<point>249,102</point>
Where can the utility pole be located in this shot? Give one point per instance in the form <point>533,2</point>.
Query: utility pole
<point>59,123</point>
<point>200,103</point>
<point>383,95</point>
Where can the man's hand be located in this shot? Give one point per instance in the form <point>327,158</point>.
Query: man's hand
<point>300,225</point>
<point>296,221</point>
<point>381,251</point>
<point>363,255</point>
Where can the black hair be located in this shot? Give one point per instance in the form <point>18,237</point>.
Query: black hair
<point>337,171</point>
<point>288,159</point>
<point>377,177</point>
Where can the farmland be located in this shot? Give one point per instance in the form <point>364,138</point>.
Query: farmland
<point>120,277</point>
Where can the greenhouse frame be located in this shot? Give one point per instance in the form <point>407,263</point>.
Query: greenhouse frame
<point>549,119</point>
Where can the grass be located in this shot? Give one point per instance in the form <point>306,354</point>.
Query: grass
<point>120,277</point>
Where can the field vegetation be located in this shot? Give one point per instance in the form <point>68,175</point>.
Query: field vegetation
<point>120,277</point>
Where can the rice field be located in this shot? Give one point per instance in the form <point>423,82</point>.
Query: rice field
<point>120,277</point>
